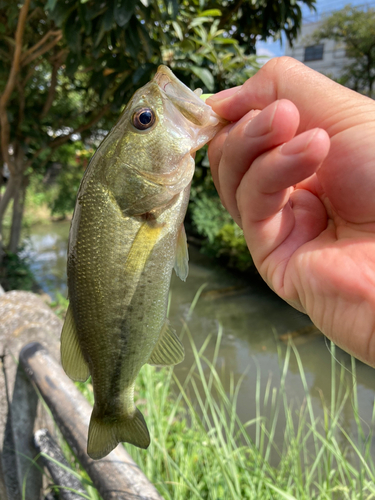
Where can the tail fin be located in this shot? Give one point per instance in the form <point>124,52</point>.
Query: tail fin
<point>105,436</point>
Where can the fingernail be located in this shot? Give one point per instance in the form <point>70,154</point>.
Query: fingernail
<point>224,94</point>
<point>262,126</point>
<point>298,144</point>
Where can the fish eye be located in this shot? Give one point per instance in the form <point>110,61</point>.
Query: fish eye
<point>143,118</point>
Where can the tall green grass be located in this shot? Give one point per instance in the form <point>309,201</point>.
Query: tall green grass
<point>202,450</point>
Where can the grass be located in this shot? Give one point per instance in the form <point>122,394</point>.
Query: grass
<point>201,450</point>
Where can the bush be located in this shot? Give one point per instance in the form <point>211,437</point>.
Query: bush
<point>15,273</point>
<point>222,238</point>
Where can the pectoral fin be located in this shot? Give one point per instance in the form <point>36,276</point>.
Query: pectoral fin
<point>181,265</point>
<point>141,248</point>
<point>169,349</point>
<point>72,359</point>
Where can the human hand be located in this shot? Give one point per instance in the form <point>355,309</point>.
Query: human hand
<point>296,170</point>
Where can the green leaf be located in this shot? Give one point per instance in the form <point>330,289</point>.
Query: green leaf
<point>123,11</point>
<point>132,41</point>
<point>174,5</point>
<point>198,21</point>
<point>283,494</point>
<point>50,5</point>
<point>72,63</point>
<point>142,73</point>
<point>108,19</point>
<point>72,32</point>
<point>187,45</point>
<point>178,30</point>
<point>229,41</point>
<point>205,75</point>
<point>210,13</point>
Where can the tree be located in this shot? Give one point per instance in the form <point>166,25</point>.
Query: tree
<point>68,67</point>
<point>354,27</point>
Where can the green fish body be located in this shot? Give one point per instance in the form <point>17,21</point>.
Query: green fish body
<point>126,237</point>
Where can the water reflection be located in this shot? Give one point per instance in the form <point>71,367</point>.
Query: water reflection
<point>252,318</point>
<point>46,248</point>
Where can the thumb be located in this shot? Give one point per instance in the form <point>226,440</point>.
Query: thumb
<point>318,98</point>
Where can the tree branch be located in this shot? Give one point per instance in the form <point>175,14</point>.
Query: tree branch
<point>42,50</point>
<point>51,90</point>
<point>38,44</point>
<point>64,138</point>
<point>59,141</point>
<point>11,83</point>
<point>21,109</point>
<point>5,55</point>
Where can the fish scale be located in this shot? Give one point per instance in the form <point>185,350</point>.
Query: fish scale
<point>125,239</point>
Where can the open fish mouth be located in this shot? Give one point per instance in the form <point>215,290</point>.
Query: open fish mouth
<point>185,100</point>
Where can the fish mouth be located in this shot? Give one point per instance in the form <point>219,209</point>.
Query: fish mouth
<point>185,100</point>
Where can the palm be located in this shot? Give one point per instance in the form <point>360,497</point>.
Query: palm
<point>314,242</point>
<point>332,274</point>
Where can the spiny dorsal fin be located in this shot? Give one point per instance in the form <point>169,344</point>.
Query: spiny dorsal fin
<point>181,265</point>
<point>72,359</point>
<point>169,349</point>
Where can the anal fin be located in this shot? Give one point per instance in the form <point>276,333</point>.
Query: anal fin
<point>181,265</point>
<point>72,359</point>
<point>169,349</point>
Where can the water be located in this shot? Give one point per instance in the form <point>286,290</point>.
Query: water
<point>253,319</point>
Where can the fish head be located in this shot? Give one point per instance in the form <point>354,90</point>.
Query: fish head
<point>149,150</point>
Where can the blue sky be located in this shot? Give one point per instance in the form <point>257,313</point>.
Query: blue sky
<point>272,49</point>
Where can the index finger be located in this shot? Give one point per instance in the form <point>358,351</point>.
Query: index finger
<point>321,102</point>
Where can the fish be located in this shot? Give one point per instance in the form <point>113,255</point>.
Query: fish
<point>126,237</point>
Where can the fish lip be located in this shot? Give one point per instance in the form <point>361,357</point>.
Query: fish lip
<point>164,77</point>
<point>168,82</point>
<point>189,104</point>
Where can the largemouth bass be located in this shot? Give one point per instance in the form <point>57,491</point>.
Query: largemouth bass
<point>126,237</point>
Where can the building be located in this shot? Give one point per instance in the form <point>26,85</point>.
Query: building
<point>327,57</point>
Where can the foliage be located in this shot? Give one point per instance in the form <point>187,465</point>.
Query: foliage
<point>354,28</point>
<point>69,179</point>
<point>253,19</point>
<point>60,305</point>
<point>203,451</point>
<point>15,273</point>
<point>222,238</point>
<point>232,246</point>
<point>67,68</point>
<point>209,216</point>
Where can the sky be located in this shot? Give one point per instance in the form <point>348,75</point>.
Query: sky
<point>271,49</point>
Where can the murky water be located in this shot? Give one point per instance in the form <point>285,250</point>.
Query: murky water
<point>253,321</point>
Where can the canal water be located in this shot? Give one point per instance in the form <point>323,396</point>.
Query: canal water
<point>255,325</point>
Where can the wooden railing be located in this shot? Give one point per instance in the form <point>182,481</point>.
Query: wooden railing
<point>116,476</point>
